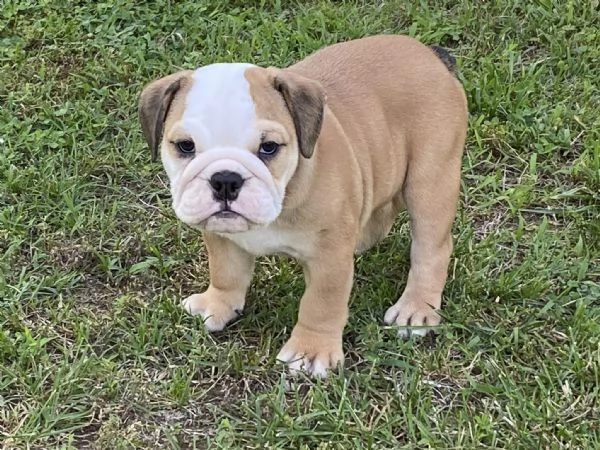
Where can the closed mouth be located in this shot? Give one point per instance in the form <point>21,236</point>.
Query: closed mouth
<point>226,214</point>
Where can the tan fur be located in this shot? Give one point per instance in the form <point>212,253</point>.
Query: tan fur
<point>392,136</point>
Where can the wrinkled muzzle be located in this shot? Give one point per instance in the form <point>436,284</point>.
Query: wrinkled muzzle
<point>197,202</point>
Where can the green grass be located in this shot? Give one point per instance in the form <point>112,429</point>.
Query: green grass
<point>94,350</point>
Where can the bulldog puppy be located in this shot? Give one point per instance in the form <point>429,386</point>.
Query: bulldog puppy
<point>315,161</point>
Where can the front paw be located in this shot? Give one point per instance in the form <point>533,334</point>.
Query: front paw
<point>414,316</point>
<point>312,352</point>
<point>216,308</point>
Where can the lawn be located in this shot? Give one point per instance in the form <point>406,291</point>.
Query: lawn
<point>94,349</point>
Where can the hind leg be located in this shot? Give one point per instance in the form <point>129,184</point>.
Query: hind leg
<point>431,194</point>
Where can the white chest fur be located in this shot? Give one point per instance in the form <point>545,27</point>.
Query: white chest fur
<point>271,240</point>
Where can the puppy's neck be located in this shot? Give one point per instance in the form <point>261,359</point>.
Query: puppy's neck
<point>298,190</point>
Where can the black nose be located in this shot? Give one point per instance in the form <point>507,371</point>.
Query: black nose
<point>226,185</point>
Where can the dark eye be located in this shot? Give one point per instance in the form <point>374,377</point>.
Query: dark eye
<point>186,147</point>
<point>268,148</point>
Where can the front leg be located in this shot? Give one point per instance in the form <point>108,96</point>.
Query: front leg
<point>230,270</point>
<point>315,344</point>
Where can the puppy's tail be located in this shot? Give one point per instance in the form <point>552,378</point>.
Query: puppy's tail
<point>446,58</point>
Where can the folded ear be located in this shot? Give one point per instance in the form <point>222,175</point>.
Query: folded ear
<point>305,99</point>
<point>154,104</point>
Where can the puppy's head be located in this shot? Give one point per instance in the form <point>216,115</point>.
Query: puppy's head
<point>230,138</point>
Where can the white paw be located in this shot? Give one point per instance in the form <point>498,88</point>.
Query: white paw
<point>215,312</point>
<point>310,355</point>
<point>413,317</point>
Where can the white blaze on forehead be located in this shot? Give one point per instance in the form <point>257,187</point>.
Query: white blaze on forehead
<point>219,110</point>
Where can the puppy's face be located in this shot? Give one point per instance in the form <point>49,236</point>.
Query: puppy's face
<point>230,139</point>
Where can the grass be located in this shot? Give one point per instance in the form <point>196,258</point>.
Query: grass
<point>94,350</point>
